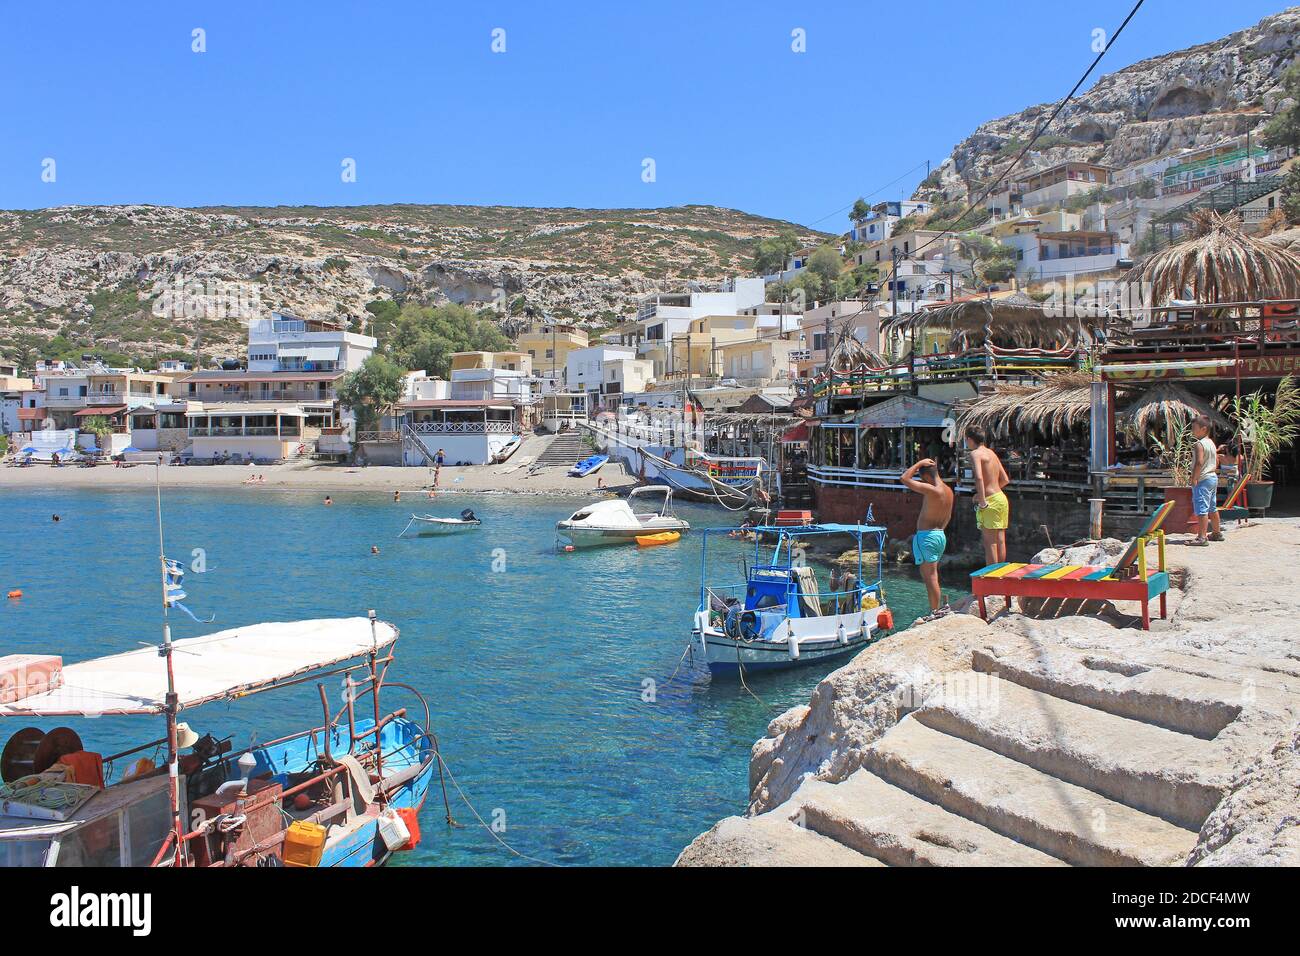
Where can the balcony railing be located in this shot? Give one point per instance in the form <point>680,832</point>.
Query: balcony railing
<point>464,428</point>
<point>379,436</point>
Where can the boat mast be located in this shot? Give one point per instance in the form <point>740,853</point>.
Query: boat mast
<point>170,708</point>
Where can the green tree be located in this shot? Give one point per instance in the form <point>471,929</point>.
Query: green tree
<point>772,252</point>
<point>1284,128</point>
<point>371,390</point>
<point>99,426</point>
<point>1291,195</point>
<point>825,261</point>
<point>990,260</point>
<point>860,209</point>
<point>425,337</point>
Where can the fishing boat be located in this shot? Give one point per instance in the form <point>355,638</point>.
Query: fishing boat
<point>615,520</point>
<point>779,617</point>
<point>330,796</point>
<point>588,466</point>
<point>424,525</point>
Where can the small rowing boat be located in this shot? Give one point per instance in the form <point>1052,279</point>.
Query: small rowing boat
<point>664,537</point>
<point>423,525</point>
<point>588,466</point>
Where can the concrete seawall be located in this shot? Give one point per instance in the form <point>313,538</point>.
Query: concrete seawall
<point>1050,741</point>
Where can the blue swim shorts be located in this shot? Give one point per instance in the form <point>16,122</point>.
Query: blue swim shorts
<point>928,546</point>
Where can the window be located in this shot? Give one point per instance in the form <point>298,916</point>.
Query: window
<point>98,843</point>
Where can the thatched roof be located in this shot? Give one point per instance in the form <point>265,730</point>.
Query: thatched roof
<point>1062,401</point>
<point>1014,319</point>
<point>849,354</point>
<point>1170,404</point>
<point>1219,263</point>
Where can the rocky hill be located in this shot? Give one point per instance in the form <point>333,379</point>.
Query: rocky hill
<point>1190,98</point>
<point>140,281</point>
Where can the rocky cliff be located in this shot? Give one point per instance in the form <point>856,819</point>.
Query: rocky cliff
<point>1190,98</point>
<point>143,280</point>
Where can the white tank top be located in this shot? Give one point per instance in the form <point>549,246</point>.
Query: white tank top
<point>1210,465</point>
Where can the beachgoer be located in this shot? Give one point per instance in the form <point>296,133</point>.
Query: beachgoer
<point>397,496</point>
<point>992,510</point>
<point>1205,483</point>
<point>55,518</point>
<point>328,500</point>
<point>929,542</point>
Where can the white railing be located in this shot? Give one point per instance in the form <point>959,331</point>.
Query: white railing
<point>464,428</point>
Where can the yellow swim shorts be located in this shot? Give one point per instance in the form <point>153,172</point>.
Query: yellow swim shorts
<point>996,515</point>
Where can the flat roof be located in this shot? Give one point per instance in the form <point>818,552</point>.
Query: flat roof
<point>451,403</point>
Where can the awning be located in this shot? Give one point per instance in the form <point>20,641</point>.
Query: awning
<point>214,667</point>
<point>111,410</point>
<point>295,352</point>
<point>797,434</point>
<point>322,353</point>
<point>31,414</point>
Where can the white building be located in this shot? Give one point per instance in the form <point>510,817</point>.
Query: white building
<point>286,343</point>
<point>662,317</point>
<point>879,223</point>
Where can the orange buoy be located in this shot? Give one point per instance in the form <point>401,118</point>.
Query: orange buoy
<point>15,593</point>
<point>885,620</point>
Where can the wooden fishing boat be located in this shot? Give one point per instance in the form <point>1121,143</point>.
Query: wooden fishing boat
<point>344,793</point>
<point>778,617</point>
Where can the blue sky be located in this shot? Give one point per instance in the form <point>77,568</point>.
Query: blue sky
<point>583,93</point>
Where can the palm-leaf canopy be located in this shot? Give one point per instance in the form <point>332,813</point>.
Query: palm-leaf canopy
<point>1058,404</point>
<point>1219,263</point>
<point>1169,405</point>
<point>1013,320</point>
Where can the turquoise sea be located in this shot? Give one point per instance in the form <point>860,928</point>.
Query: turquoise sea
<point>535,662</point>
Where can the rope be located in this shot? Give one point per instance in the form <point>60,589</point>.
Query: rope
<point>442,762</point>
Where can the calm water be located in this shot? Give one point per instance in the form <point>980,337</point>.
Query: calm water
<point>535,673</point>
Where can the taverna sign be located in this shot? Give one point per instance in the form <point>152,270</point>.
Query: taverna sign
<point>76,909</point>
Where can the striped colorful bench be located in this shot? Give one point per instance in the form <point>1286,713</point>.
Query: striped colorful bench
<point>1082,582</point>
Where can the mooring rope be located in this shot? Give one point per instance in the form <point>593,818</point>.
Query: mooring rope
<point>442,762</point>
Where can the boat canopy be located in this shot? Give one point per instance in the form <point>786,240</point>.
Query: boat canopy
<point>214,667</point>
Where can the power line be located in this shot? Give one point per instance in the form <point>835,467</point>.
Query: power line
<point>870,194</point>
<point>1041,127</point>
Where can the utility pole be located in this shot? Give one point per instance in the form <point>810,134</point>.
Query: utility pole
<point>893,279</point>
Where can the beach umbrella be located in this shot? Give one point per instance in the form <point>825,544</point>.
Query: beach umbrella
<point>1170,404</point>
<point>128,449</point>
<point>1219,263</point>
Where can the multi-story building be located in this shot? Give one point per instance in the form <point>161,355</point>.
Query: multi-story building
<point>878,225</point>
<point>819,324</point>
<point>1058,183</point>
<point>548,347</point>
<point>287,343</point>
<point>663,317</point>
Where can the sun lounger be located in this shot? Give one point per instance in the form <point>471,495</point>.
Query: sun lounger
<point>1128,579</point>
<point>1230,510</point>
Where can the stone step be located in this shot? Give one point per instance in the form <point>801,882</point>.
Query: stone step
<point>872,816</point>
<point>1187,703</point>
<point>769,839</point>
<point>1017,801</point>
<point>1171,775</point>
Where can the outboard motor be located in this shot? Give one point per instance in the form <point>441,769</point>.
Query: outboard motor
<point>468,515</point>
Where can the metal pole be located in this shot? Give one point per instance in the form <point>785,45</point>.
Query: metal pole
<point>170,706</point>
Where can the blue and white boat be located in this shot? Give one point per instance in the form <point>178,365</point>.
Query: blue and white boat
<point>347,787</point>
<point>778,616</point>
<point>588,466</point>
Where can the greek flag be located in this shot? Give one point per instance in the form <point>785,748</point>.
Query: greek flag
<point>175,589</point>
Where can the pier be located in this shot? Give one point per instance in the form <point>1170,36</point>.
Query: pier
<point>1033,741</point>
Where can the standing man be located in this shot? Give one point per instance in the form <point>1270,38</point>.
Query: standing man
<point>992,510</point>
<point>437,466</point>
<point>1205,483</point>
<point>929,542</point>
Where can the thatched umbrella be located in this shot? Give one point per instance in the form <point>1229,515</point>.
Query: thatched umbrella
<point>1171,405</point>
<point>1219,263</point>
<point>1061,402</point>
<point>1015,319</point>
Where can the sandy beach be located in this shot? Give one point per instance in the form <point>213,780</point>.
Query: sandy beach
<point>507,478</point>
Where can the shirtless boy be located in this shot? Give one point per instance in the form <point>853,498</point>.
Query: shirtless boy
<point>929,542</point>
<point>992,510</point>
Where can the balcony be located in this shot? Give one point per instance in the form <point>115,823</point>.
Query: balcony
<point>465,428</point>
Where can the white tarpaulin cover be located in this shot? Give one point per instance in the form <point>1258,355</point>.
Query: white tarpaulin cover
<point>206,668</point>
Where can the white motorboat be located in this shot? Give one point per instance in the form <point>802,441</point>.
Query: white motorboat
<point>422,525</point>
<point>616,521</point>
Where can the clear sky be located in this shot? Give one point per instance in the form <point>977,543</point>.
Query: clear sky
<point>583,93</point>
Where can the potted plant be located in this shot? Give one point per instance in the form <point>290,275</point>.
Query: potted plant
<point>1176,453</point>
<point>1264,430</point>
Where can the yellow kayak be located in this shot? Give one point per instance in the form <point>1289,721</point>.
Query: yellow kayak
<point>664,537</point>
